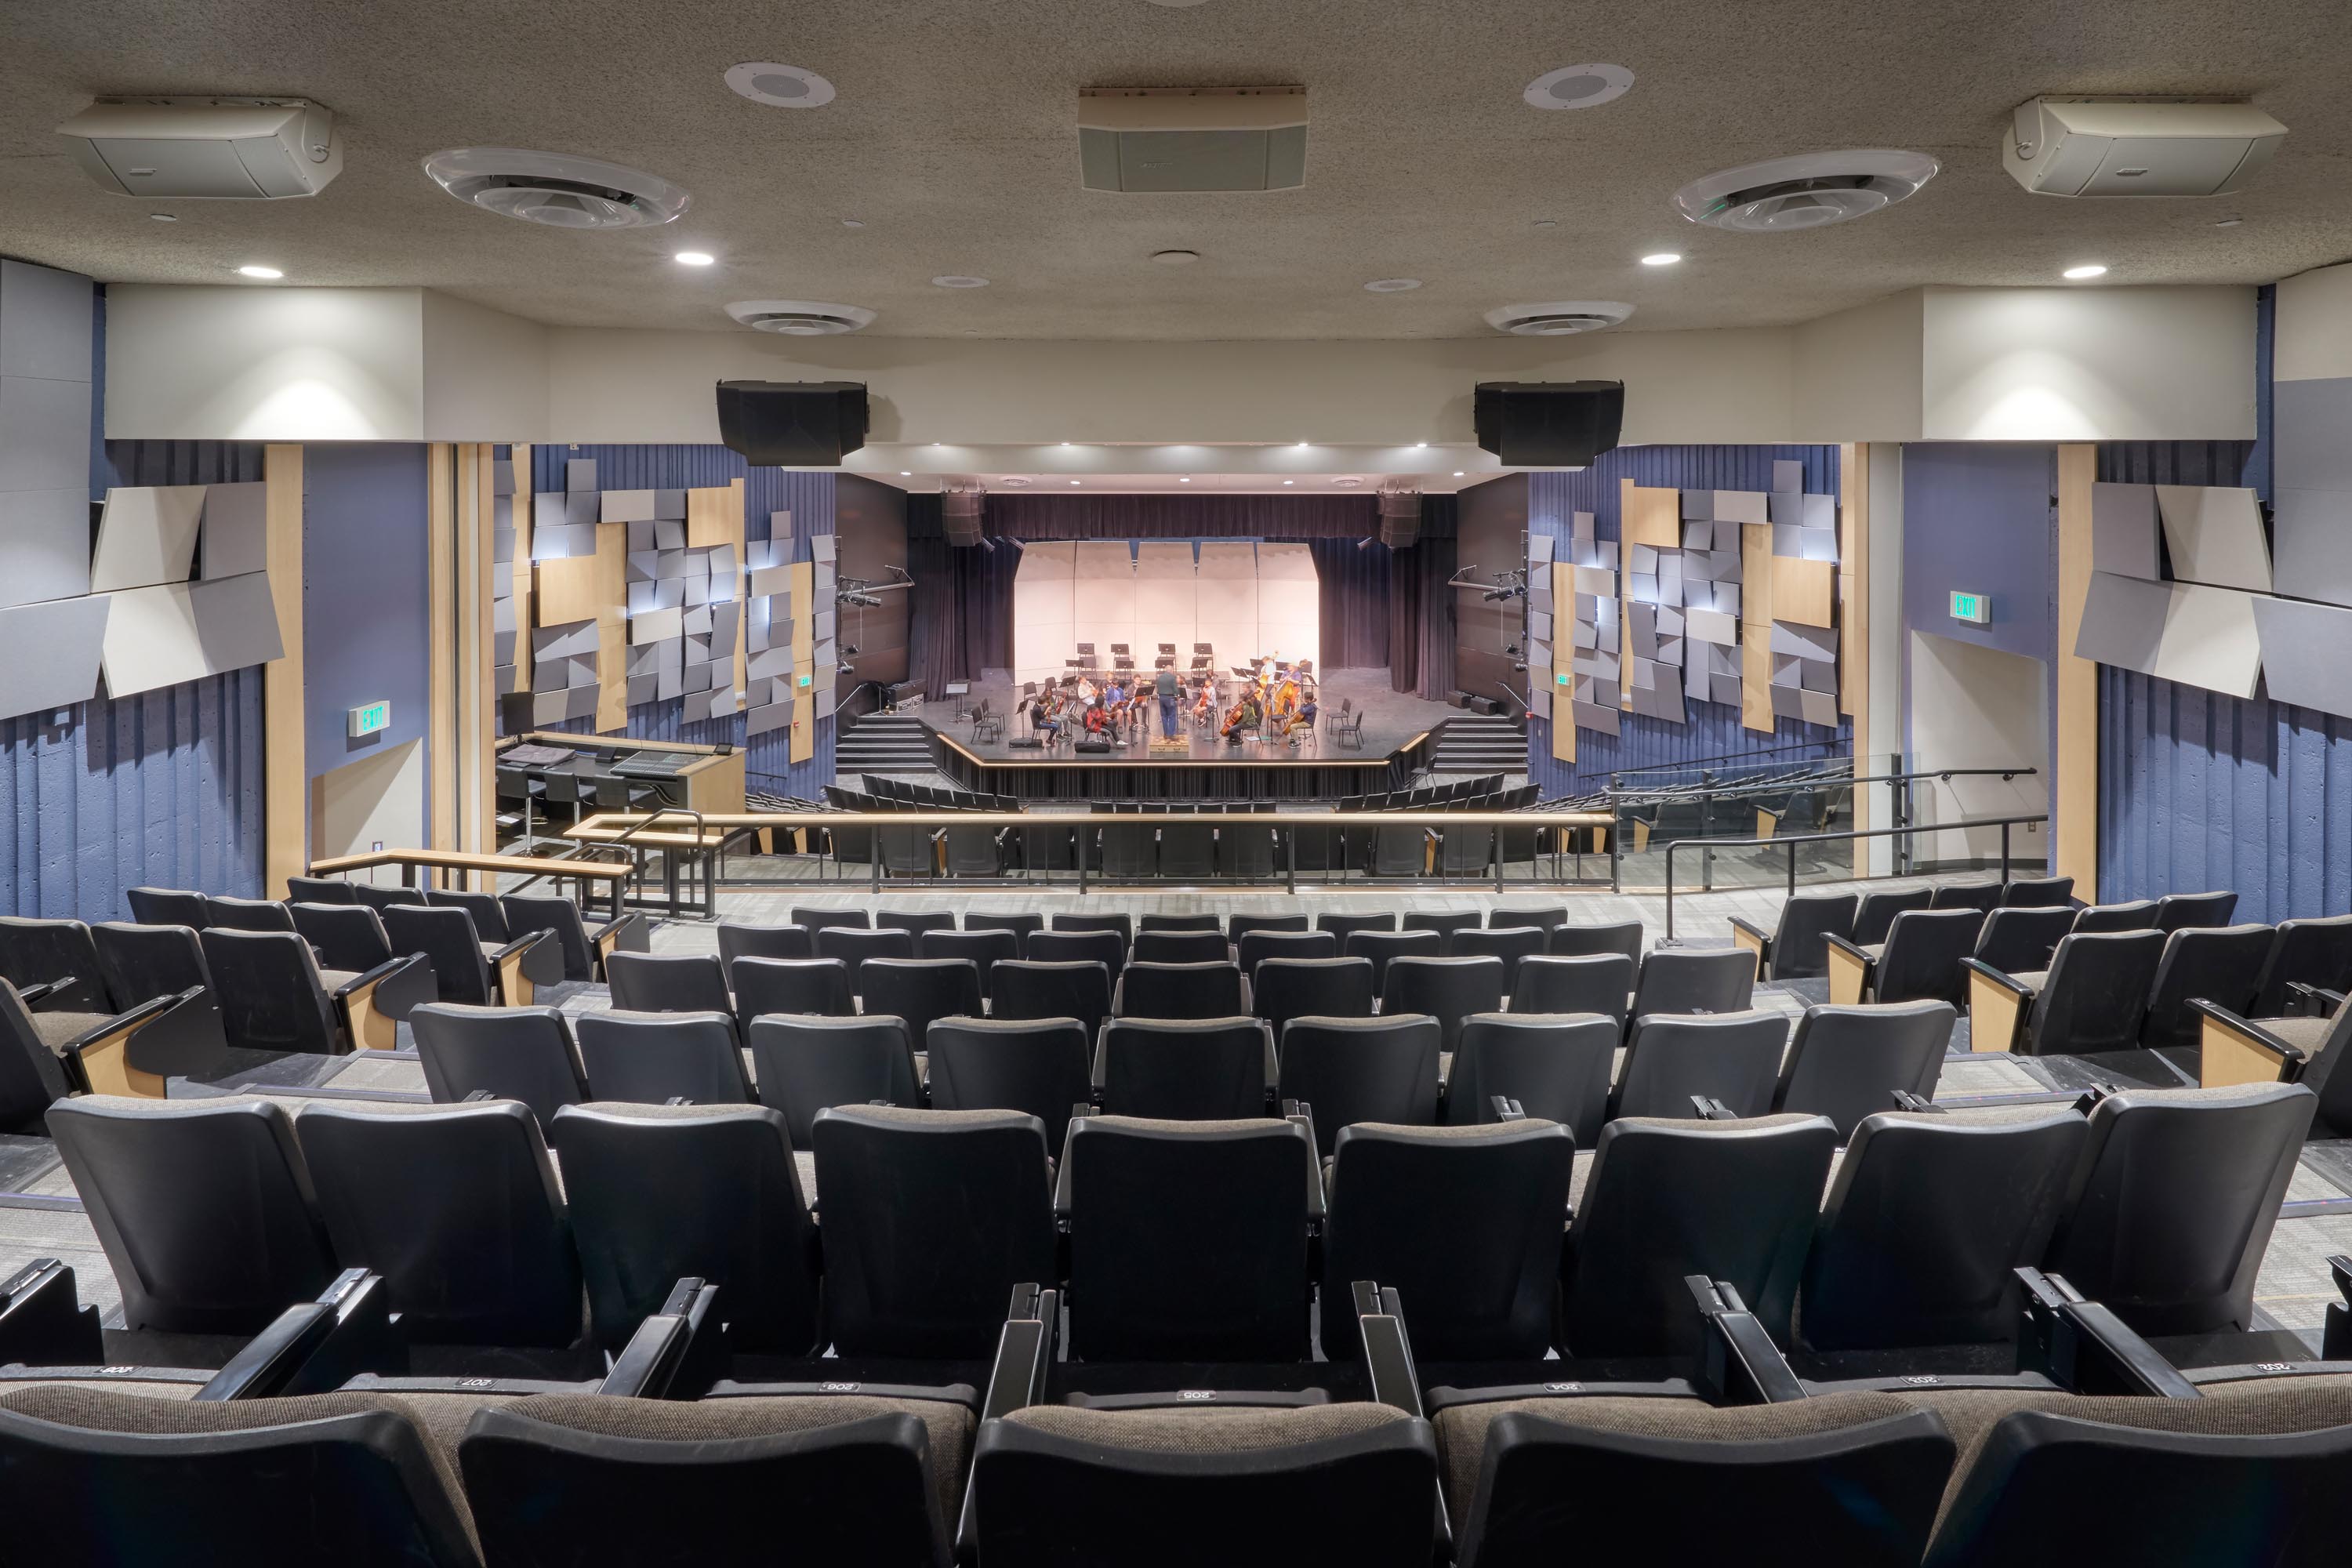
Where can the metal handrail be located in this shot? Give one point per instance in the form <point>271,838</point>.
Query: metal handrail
<point>1728,757</point>
<point>2003,823</point>
<point>1714,791</point>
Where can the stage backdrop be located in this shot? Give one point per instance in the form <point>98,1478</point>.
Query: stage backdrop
<point>1244,599</point>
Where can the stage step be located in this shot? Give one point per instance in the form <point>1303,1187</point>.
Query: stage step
<point>1480,744</point>
<point>884,743</point>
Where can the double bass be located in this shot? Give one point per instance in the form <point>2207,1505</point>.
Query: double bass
<point>1244,713</point>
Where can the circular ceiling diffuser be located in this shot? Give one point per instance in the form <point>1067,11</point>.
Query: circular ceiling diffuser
<point>1391,285</point>
<point>556,189</point>
<point>800,318</point>
<point>780,87</point>
<point>1014,482</point>
<point>1812,189</point>
<point>959,280</point>
<point>1560,318</point>
<point>1578,87</point>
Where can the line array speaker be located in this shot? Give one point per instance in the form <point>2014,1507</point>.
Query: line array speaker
<point>1399,519</point>
<point>1547,423</point>
<point>959,513</point>
<point>793,424</point>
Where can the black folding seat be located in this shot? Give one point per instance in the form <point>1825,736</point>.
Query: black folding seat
<point>1040,1067</point>
<point>1545,919</point>
<point>763,941</point>
<point>275,998</point>
<point>1922,958</point>
<point>1734,1201</point>
<point>1447,989</point>
<point>1179,947</point>
<point>983,949</point>
<point>647,1059</point>
<point>1123,924</point>
<point>1399,851</point>
<point>2220,966</point>
<point>1046,848</point>
<point>1347,1070</point>
<point>2021,940</point>
<point>1382,946</point>
<point>914,922</point>
<point>1188,850</point>
<point>1874,915</point>
<point>1240,926</point>
<point>1554,1066</point>
<point>319,891</point>
<point>1465,850</point>
<point>1926,1224</point>
<point>489,915</point>
<point>512,1053</point>
<point>1598,983</point>
<point>1249,851</point>
<point>1982,897</point>
<point>765,985</point>
<point>2181,911</point>
<point>458,1206</point>
<point>1585,940</point>
<point>44,952</point>
<point>804,1064</point>
<point>1512,944</point>
<point>1127,851</point>
<point>1286,988</point>
<point>855,947</point>
<point>908,850</point>
<point>166,907</point>
<point>1344,926</point>
<point>1445,924</point>
<point>1104,947</point>
<point>1254,947</point>
<point>1149,923</point>
<point>1798,948</point>
<point>931,1218</point>
<point>1695,980</point>
<point>142,962</point>
<point>1188,1238</point>
<point>814,919</point>
<point>668,983</point>
<point>2091,998</point>
<point>1041,989</point>
<point>1672,1058</point>
<point>1847,1063</point>
<point>247,914</point>
<point>2314,953</point>
<point>1180,991</point>
<point>1193,1069</point>
<point>381,896</point>
<point>975,850</point>
<point>661,1192</point>
<point>1019,925</point>
<point>2137,915</point>
<point>351,937</point>
<point>921,990</point>
<point>2037,893</point>
<point>467,968</point>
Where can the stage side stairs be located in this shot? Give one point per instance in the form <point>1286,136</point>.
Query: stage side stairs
<point>1480,744</point>
<point>884,743</point>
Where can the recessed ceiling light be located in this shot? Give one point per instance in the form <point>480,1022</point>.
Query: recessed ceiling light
<point>1546,223</point>
<point>259,272</point>
<point>2217,222</point>
<point>1419,445</point>
<point>164,218</point>
<point>694,258</point>
<point>905,473</point>
<point>1662,258</point>
<point>1014,482</point>
<point>2089,270</point>
<point>1175,258</point>
<point>1578,87</point>
<point>780,87</point>
<point>1457,473</point>
<point>959,280</point>
<point>1347,481</point>
<point>1066,443</point>
<point>1302,446</point>
<point>1073,481</point>
<point>1290,481</point>
<point>1391,285</point>
<point>1185,481</point>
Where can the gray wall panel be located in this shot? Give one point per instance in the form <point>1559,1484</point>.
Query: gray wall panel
<point>2310,422</point>
<point>44,546</point>
<point>44,323</point>
<point>2313,543</point>
<point>52,654</point>
<point>44,433</point>
<point>2307,654</point>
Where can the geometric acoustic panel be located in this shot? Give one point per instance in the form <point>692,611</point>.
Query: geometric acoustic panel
<point>2306,653</point>
<point>44,546</point>
<point>1596,635</point>
<point>52,653</point>
<point>2215,534</point>
<point>152,641</point>
<point>236,531</point>
<point>236,621</point>
<point>2123,621</point>
<point>2181,632</point>
<point>2312,539</point>
<point>146,534</point>
<point>2123,529</point>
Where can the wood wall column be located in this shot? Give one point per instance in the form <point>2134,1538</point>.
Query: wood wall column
<point>1853,628</point>
<point>460,730</point>
<point>442,479</point>
<point>2074,794</point>
<point>284,770</point>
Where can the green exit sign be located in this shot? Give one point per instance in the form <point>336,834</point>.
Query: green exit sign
<point>1974,609</point>
<point>805,680</point>
<point>1566,678</point>
<point>368,718</point>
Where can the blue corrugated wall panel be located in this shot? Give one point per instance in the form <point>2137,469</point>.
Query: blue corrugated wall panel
<point>1713,729</point>
<point>807,496</point>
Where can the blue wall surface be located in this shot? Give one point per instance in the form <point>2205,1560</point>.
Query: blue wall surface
<point>1980,516</point>
<point>1712,730</point>
<point>366,598</point>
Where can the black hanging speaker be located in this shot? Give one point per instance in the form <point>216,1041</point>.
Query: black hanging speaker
<point>1547,423</point>
<point>959,510</point>
<point>793,424</point>
<point>1399,519</point>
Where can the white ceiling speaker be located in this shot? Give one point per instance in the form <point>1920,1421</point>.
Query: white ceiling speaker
<point>1347,481</point>
<point>1811,190</point>
<point>1146,139</point>
<point>556,189</point>
<point>1558,320</point>
<point>215,148</point>
<point>1014,482</point>
<point>1578,87</point>
<point>800,318</point>
<point>2109,147</point>
<point>780,87</point>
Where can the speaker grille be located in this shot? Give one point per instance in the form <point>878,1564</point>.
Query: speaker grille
<point>1548,425</point>
<point>959,513</point>
<point>793,425</point>
<point>1399,519</point>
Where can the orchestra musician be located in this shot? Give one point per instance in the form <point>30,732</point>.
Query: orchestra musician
<point>1247,712</point>
<point>1204,703</point>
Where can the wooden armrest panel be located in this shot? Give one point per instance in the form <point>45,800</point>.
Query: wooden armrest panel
<point>1997,1006</point>
<point>2238,1051</point>
<point>1850,971</point>
<point>103,1055</point>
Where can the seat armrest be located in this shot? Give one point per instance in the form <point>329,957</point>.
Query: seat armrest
<point>511,963</point>
<point>1388,1363</point>
<point>624,933</point>
<point>1849,970</point>
<point>474,1096</point>
<point>1024,1355</point>
<point>40,990</point>
<point>2336,1341</point>
<point>1300,1114</point>
<point>1062,1172</point>
<point>368,1026</point>
<point>271,1357</point>
<point>685,1334</point>
<point>2312,1001</point>
<point>42,1322</point>
<point>1999,1005</point>
<point>1738,1361</point>
<point>1505,1109</point>
<point>102,1057</point>
<point>363,1337</point>
<point>2085,1348</point>
<point>1754,938</point>
<point>2238,1050</point>
<point>1710,1109</point>
<point>1919,1104</point>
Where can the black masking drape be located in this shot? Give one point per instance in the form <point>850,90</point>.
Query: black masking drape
<point>1421,606</point>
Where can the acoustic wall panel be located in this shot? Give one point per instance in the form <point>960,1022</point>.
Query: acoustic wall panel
<point>2180,632</point>
<point>43,433</point>
<point>2123,531</point>
<point>146,535</point>
<point>625,506</point>
<point>1228,614</point>
<point>1106,596</point>
<point>44,546</point>
<point>53,652</point>
<point>234,529</point>
<point>2215,535</point>
<point>2306,653</point>
<point>152,641</point>
<point>1165,606</point>
<point>1290,602</point>
<point>237,622</point>
<point>2123,621</point>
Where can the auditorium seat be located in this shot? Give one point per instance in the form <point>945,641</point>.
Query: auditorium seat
<point>1922,958</point>
<point>1191,1069</point>
<point>2137,915</point>
<point>1187,851</point>
<point>1347,1070</point>
<point>660,1192</point>
<point>1399,851</point>
<point>975,852</point>
<point>1239,926</point>
<point>351,937</point>
<point>1046,848</point>
<point>920,990</point>
<point>465,968</point>
<point>489,915</point>
<point>2317,952</point>
<point>1151,923</point>
<point>166,907</point>
<point>1570,941</point>
<point>853,947</point>
<point>1344,926</point>
<point>2037,893</point>
<point>2221,965</point>
<point>319,891</point>
<point>1445,924</point>
<point>1123,924</point>
<point>983,949</point>
<point>247,914</point>
<point>1554,1066</point>
<point>1040,1067</point>
<point>2091,998</point>
<point>765,985</point>
<point>668,983</point>
<point>2181,911</point>
<point>1020,926</point>
<point>1982,897</point>
<point>274,996</point>
<point>141,962</point>
<point>1382,946</point>
<point>584,950</point>
<point>1545,919</point>
<point>1254,947</point>
<point>805,1064</point>
<point>1847,1062</point>
<point>522,1054</point>
<point>1180,991</point>
<point>1876,910</point>
<point>763,941</point>
<point>1447,989</point>
<point>1673,1059</point>
<point>46,951</point>
<point>646,1058</point>
<point>2021,940</point>
<point>908,850</point>
<point>1282,989</point>
<point>381,897</point>
<point>1796,949</point>
<point>1598,983</point>
<point>1695,980</point>
<point>814,919</point>
<point>1179,947</point>
<point>1125,851</point>
<point>914,922</point>
<point>1512,944</point>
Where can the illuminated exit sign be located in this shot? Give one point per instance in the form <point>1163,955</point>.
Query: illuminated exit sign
<point>1974,609</point>
<point>1566,678</point>
<point>368,718</point>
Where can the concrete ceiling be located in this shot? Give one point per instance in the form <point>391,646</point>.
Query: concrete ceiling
<point>951,141</point>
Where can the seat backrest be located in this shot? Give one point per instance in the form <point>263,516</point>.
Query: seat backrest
<point>804,1064</point>
<point>1923,953</point>
<point>166,907</point>
<point>2038,893</point>
<point>1151,923</point>
<point>1556,1065</point>
<point>517,1053</point>
<point>1344,926</point>
<point>1382,946</point>
<point>914,922</point>
<point>319,891</point>
<point>930,1218</point>
<point>489,915</point>
<point>1898,1263</point>
<point>381,895</point>
<point>1184,1070</point>
<point>1731,1056</point>
<point>247,914</point>
<point>2306,951</point>
<point>1039,1067</point>
<point>1980,896</point>
<point>1240,926</point>
<point>141,963</point>
<point>2096,993</point>
<point>983,948</point>
<point>1123,924</point>
<point>1282,989</point>
<point>1695,980</point>
<point>1598,983</point>
<point>1360,1070</point>
<point>345,936</point>
<point>1545,919</point>
<point>1447,989</point>
<point>658,1192</point>
<point>764,985</point>
<point>646,1058</point>
<point>1463,1223</point>
<point>1800,942</point>
<point>1179,947</point>
<point>763,941</point>
<point>921,990</point>
<point>2137,915</point>
<point>818,919</point>
<point>2221,965</point>
<point>1876,911</point>
<point>2172,1201</point>
<point>2180,911</point>
<point>1512,944</point>
<point>1107,948</point>
<point>1846,1062</point>
<point>2021,940</point>
<point>204,1207</point>
<point>1253,947</point>
<point>527,913</point>
<point>1584,941</point>
<point>1732,1200</point>
<point>269,987</point>
<point>1033,988</point>
<point>1188,1239</point>
<point>458,1207</point>
<point>668,983</point>
<point>1444,923</point>
<point>446,936</point>
<point>855,947</point>
<point>35,952</point>
<point>1212,990</point>
<point>1019,925</point>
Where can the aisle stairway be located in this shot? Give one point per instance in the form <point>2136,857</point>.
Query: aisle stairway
<point>1480,744</point>
<point>884,743</point>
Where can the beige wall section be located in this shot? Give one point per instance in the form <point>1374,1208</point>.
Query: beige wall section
<point>186,363</point>
<point>284,770</point>
<point>485,372</point>
<point>2313,331</point>
<point>1855,375</point>
<point>2076,816</point>
<point>376,800</point>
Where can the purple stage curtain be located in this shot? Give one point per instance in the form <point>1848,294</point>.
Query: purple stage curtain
<point>1354,603</point>
<point>1421,607</point>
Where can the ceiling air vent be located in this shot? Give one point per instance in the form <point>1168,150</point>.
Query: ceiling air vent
<point>556,188</point>
<point>1559,319</point>
<point>800,318</point>
<point>1141,138</point>
<point>1812,189</point>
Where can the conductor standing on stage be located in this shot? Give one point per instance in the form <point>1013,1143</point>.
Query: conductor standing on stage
<point>1166,687</point>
